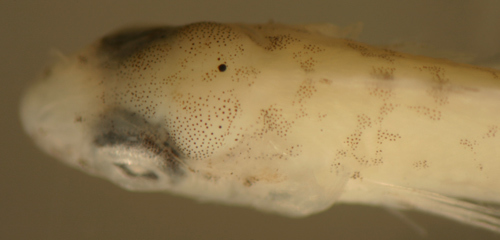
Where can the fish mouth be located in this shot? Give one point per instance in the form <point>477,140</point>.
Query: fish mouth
<point>46,116</point>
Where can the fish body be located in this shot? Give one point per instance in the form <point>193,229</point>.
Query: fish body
<point>288,119</point>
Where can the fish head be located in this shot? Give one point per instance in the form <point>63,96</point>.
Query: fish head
<point>198,110</point>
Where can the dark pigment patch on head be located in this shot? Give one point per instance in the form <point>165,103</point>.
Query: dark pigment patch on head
<point>222,67</point>
<point>123,44</point>
<point>126,129</point>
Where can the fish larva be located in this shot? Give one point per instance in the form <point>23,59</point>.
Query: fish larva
<point>282,118</point>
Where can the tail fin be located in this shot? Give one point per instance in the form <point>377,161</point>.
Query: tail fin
<point>475,214</point>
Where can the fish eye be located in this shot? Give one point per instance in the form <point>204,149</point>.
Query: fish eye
<point>136,171</point>
<point>222,67</point>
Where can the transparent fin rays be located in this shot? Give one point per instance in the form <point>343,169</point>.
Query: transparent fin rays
<point>460,210</point>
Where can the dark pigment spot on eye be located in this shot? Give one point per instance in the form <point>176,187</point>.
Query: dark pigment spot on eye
<point>149,175</point>
<point>123,44</point>
<point>222,67</point>
<point>123,128</point>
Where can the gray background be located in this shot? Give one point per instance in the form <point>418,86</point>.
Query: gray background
<point>43,199</point>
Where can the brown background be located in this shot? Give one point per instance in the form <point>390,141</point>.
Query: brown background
<point>43,199</point>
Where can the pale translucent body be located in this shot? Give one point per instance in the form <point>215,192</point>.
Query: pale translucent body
<point>288,119</point>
